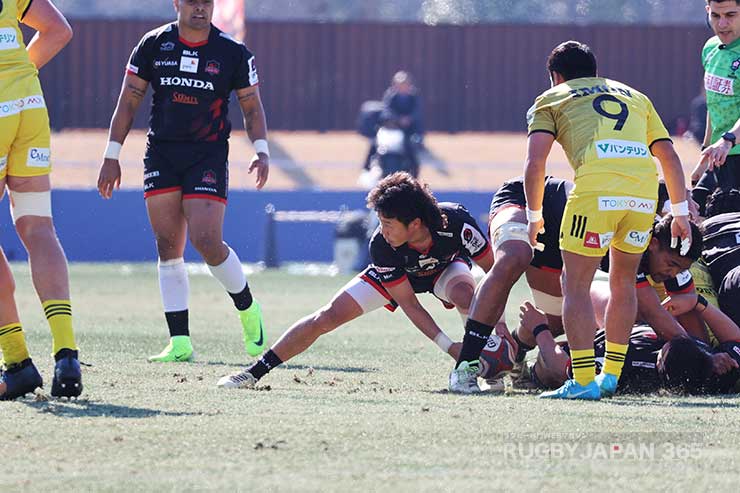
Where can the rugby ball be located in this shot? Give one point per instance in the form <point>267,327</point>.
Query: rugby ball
<point>497,357</point>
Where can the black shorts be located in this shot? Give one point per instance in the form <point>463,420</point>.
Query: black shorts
<point>728,295</point>
<point>198,170</point>
<point>511,194</point>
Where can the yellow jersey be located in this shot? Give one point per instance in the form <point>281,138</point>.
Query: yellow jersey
<point>606,129</point>
<point>14,61</point>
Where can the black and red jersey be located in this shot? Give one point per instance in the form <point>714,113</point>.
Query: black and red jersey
<point>462,239</point>
<point>191,82</point>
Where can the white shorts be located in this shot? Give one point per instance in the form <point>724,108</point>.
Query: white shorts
<point>371,295</point>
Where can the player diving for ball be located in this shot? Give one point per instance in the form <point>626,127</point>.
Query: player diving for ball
<point>421,246</point>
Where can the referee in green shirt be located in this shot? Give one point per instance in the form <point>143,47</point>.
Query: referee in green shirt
<point>721,60</point>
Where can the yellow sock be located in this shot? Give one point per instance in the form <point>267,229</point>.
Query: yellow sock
<point>582,362</point>
<point>59,315</point>
<point>13,344</point>
<point>614,358</point>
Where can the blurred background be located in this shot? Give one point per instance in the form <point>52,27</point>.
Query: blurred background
<point>352,90</point>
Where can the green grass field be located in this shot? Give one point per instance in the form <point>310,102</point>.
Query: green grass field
<point>365,409</point>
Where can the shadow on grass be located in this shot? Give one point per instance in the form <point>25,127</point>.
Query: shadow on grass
<point>288,366</point>
<point>729,402</point>
<point>90,409</point>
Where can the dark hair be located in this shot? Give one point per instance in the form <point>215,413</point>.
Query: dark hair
<point>723,201</point>
<point>737,2</point>
<point>662,232</point>
<point>686,366</point>
<point>400,196</point>
<point>572,60</point>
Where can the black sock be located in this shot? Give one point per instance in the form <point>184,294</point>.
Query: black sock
<point>243,299</point>
<point>177,323</point>
<point>476,337</point>
<point>267,362</point>
<point>523,348</point>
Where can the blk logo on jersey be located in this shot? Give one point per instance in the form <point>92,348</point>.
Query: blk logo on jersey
<point>213,67</point>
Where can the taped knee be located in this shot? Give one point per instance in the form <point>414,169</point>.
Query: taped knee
<point>30,204</point>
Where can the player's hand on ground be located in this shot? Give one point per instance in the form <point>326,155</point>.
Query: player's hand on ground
<point>535,229</point>
<point>681,233</point>
<point>714,156</point>
<point>678,304</point>
<point>261,163</point>
<point>723,363</point>
<point>109,178</point>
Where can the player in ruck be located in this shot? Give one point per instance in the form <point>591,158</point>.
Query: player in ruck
<point>420,247</point>
<point>192,67</point>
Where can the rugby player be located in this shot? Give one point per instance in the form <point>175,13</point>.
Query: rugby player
<point>420,247</point>
<point>513,256</point>
<point>25,164</point>
<point>192,67</point>
<point>721,61</point>
<point>608,131</point>
<point>651,363</point>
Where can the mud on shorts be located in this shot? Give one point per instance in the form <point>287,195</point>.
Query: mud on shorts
<point>199,170</point>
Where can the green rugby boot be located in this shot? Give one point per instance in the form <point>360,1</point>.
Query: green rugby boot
<point>252,329</point>
<point>179,350</point>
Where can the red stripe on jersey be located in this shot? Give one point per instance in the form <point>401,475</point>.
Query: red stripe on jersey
<point>203,196</point>
<point>190,44</point>
<point>642,284</point>
<point>481,254</point>
<point>688,289</point>
<point>549,269</point>
<point>161,191</point>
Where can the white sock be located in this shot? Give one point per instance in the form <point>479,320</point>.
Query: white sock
<point>173,284</point>
<point>230,273</point>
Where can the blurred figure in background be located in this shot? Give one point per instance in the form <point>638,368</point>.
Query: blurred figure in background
<point>697,118</point>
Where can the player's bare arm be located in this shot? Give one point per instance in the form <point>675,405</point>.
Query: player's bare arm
<point>256,125</point>
<point>654,314</point>
<point>539,145</point>
<point>132,93</point>
<point>404,295</point>
<point>485,261</point>
<point>676,184</point>
<point>53,32</point>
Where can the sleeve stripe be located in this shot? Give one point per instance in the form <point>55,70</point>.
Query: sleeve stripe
<point>398,281</point>
<point>485,250</point>
<point>687,289</point>
<point>542,130</point>
<point>25,11</point>
<point>642,284</point>
<point>661,139</point>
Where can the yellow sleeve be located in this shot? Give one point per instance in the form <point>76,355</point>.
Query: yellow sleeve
<point>540,118</point>
<point>23,6</point>
<point>655,128</point>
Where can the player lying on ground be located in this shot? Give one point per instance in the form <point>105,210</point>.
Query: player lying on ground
<point>683,364</point>
<point>420,247</point>
<point>514,256</point>
<point>192,67</point>
<point>25,166</point>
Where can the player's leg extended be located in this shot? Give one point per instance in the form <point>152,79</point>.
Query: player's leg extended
<point>621,311</point>
<point>170,231</point>
<point>300,336</point>
<point>205,219</point>
<point>20,375</point>
<point>512,255</point>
